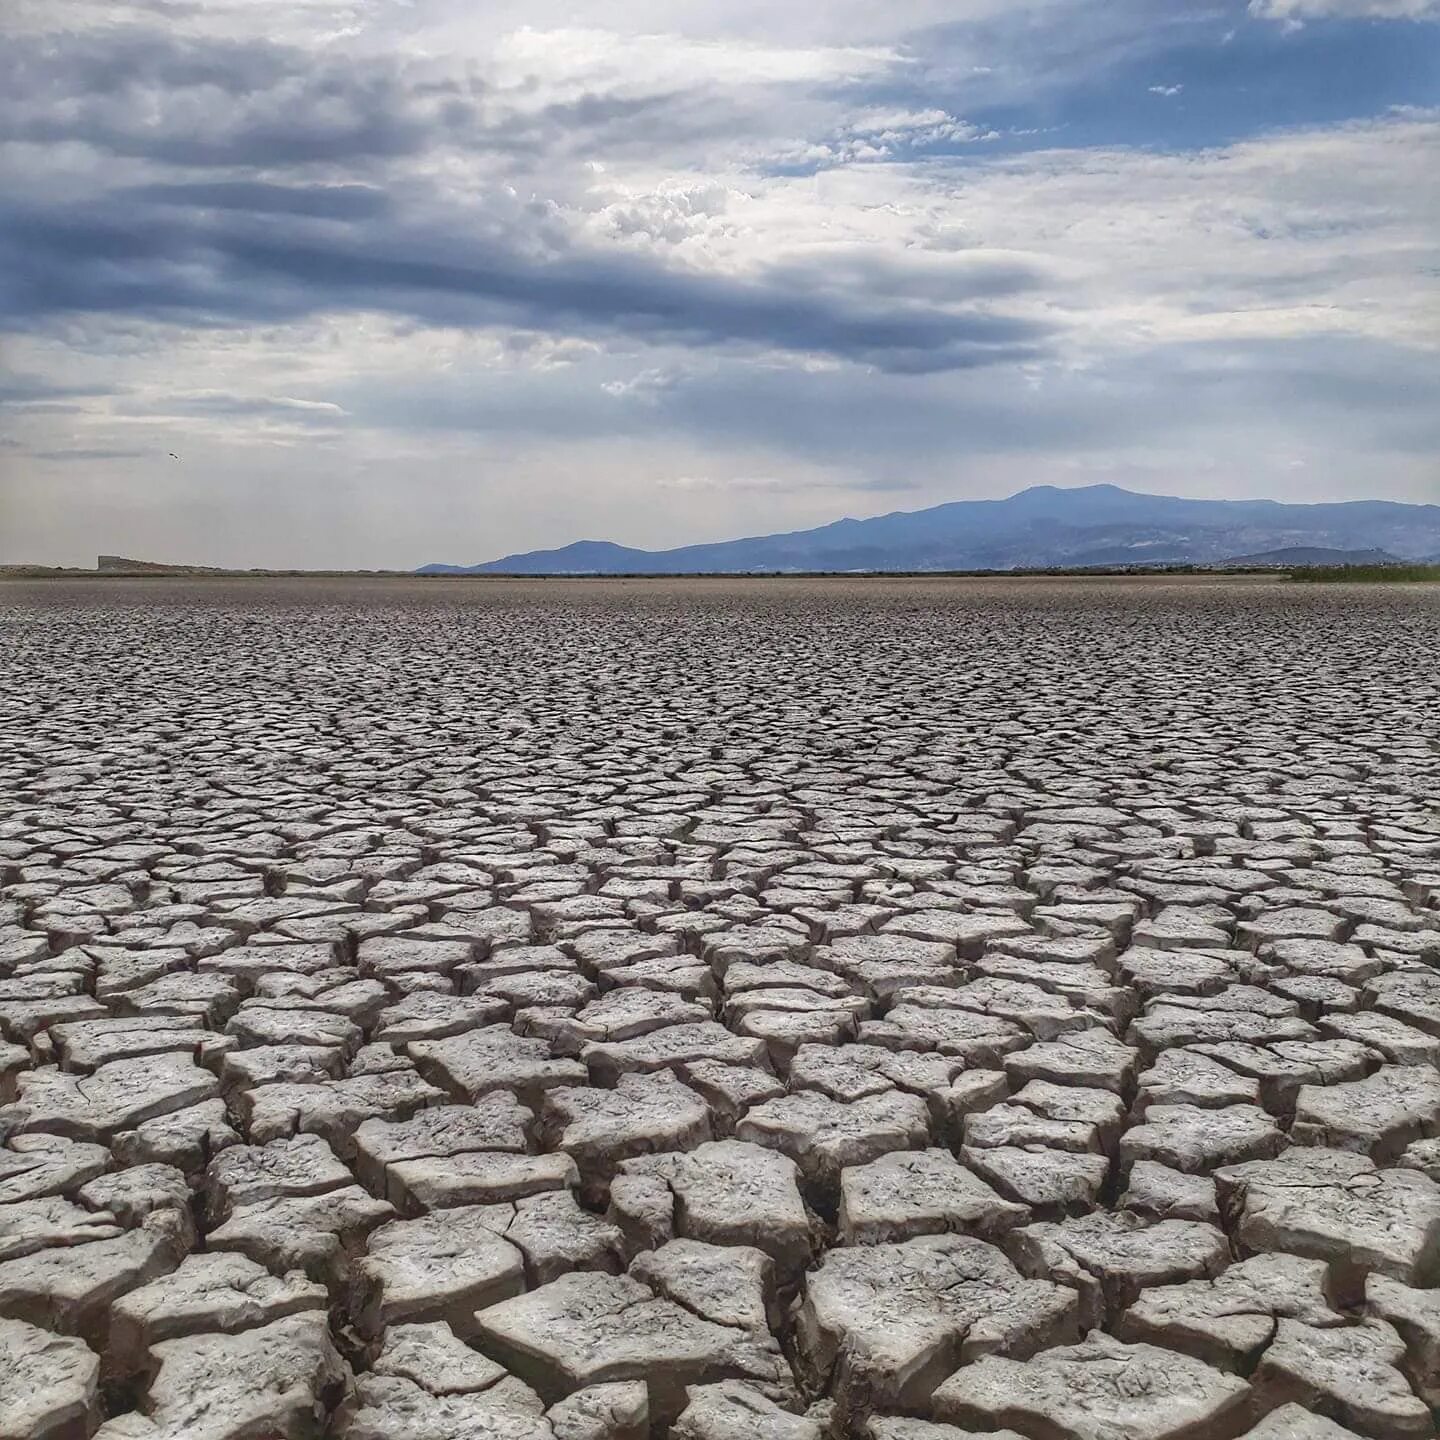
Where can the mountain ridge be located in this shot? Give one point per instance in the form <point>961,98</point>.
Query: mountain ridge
<point>1043,526</point>
<point>1307,555</point>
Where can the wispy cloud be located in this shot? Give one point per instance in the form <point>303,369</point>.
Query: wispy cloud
<point>80,455</point>
<point>1301,10</point>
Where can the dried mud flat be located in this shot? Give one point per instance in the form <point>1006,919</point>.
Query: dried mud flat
<point>766,1010</point>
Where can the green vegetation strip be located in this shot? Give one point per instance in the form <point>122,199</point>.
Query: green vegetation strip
<point>1390,573</point>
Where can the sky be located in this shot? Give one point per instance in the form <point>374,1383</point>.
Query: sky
<point>374,283</point>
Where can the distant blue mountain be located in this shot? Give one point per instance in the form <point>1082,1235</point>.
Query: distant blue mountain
<point>1293,555</point>
<point>1042,527</point>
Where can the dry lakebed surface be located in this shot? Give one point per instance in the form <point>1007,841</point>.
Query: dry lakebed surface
<point>722,1010</point>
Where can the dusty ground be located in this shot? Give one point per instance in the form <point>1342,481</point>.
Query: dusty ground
<point>725,1010</point>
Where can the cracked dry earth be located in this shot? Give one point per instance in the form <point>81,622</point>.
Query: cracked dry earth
<point>766,1010</point>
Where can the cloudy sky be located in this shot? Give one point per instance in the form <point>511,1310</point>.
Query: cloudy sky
<point>414,280</point>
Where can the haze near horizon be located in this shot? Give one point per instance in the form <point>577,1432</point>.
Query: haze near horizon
<point>357,283</point>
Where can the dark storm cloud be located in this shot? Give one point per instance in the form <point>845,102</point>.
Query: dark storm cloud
<point>176,254</point>
<point>141,93</point>
<point>144,94</point>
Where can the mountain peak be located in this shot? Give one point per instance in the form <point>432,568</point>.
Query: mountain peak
<point>1100,487</point>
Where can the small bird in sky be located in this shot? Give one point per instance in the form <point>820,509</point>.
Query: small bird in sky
<point>172,455</point>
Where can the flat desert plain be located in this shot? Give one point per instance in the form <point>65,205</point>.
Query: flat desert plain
<point>725,1010</point>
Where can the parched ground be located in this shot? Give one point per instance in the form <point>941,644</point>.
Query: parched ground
<point>753,1010</point>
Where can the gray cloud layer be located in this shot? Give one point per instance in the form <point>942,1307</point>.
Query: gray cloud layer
<point>176,260</point>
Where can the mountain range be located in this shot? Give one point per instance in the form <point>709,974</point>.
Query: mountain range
<point>1040,528</point>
